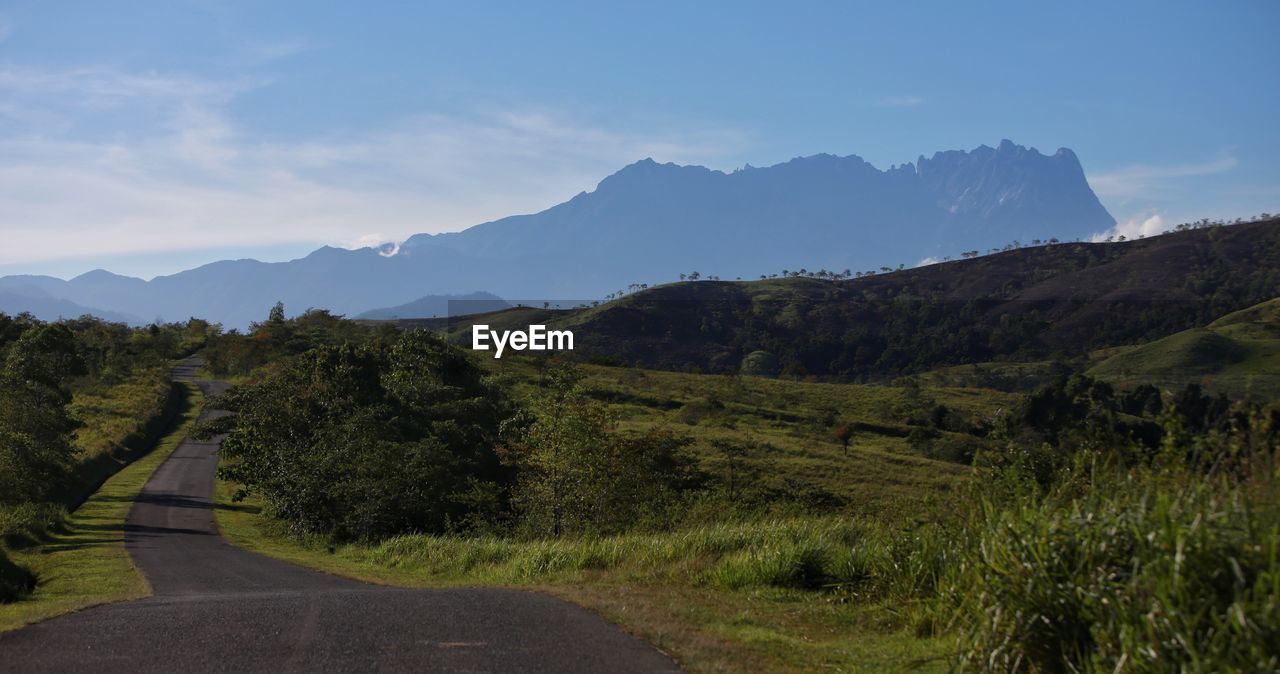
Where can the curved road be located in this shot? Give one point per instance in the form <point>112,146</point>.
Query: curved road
<point>220,608</point>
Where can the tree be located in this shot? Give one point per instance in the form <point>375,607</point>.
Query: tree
<point>36,454</point>
<point>577,473</point>
<point>732,452</point>
<point>277,313</point>
<point>844,433</point>
<point>369,441</point>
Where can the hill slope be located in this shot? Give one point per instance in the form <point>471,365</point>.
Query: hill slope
<point>1062,300</point>
<point>1239,353</point>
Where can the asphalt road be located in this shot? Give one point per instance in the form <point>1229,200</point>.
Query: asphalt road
<point>220,608</point>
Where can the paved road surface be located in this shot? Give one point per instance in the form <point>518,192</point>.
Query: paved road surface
<point>219,608</point>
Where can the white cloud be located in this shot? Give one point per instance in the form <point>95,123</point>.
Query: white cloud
<point>899,101</point>
<point>1153,180</point>
<point>188,176</point>
<point>928,261</point>
<point>1147,224</point>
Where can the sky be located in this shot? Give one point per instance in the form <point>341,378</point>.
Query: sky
<point>150,137</point>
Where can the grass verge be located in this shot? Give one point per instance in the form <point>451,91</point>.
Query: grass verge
<point>84,562</point>
<point>719,598</point>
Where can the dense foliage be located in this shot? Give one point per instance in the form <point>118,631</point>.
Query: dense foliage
<point>233,353</point>
<point>371,440</point>
<point>36,454</point>
<point>1141,572</point>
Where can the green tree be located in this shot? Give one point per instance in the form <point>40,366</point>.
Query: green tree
<point>277,313</point>
<point>577,473</point>
<point>36,454</point>
<point>369,441</point>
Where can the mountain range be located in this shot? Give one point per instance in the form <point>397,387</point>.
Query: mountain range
<point>647,223</point>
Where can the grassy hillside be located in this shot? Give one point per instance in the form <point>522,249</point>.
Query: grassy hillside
<point>1237,354</point>
<point>1058,301</point>
<point>790,453</point>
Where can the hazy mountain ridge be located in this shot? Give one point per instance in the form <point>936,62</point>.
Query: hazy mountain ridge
<point>647,223</point>
<point>432,306</point>
<point>44,306</point>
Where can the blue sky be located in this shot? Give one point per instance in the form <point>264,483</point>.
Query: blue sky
<point>147,137</point>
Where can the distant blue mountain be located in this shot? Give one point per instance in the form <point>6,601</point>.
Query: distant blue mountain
<point>35,301</point>
<point>649,222</point>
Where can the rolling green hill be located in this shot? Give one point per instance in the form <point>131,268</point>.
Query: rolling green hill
<point>1236,354</point>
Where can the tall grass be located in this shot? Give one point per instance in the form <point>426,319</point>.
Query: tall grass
<point>1144,573</point>
<point>828,555</point>
<point>817,553</point>
<point>1146,570</point>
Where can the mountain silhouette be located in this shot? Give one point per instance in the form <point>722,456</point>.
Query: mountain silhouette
<point>647,223</point>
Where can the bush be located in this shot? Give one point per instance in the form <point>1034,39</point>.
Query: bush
<point>36,454</point>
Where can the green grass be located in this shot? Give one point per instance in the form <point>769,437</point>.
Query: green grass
<point>83,562</point>
<point>1143,572</point>
<point>771,596</point>
<point>1001,376</point>
<point>1238,354</point>
<point>119,423</point>
<point>790,426</point>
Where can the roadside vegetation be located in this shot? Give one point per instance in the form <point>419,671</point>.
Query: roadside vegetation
<point>79,559</point>
<point>749,522</point>
<point>79,400</point>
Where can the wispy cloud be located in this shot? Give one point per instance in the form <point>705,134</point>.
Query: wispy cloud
<point>1150,223</point>
<point>1154,180</point>
<point>192,177</point>
<point>899,101</point>
<point>6,29</point>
